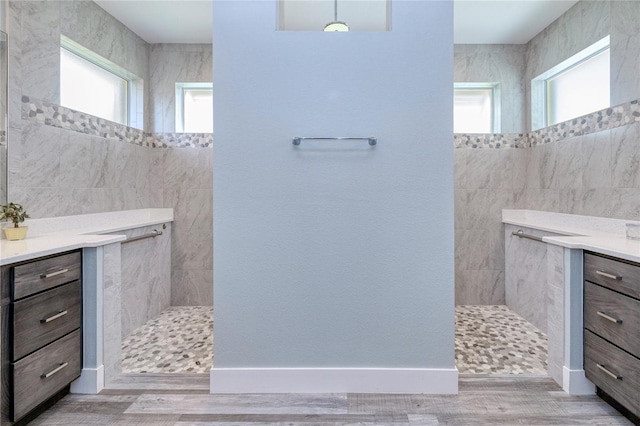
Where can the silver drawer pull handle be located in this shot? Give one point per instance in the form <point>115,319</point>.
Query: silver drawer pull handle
<point>610,318</point>
<point>53,274</point>
<point>54,317</point>
<point>605,274</point>
<point>603,368</point>
<point>54,371</point>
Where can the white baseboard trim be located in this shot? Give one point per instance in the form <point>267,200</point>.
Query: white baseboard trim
<point>91,381</point>
<point>334,380</point>
<point>574,382</point>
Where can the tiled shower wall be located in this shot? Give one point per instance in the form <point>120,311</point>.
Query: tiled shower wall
<point>582,25</point>
<point>495,63</point>
<point>64,163</point>
<point>587,168</point>
<point>594,169</point>
<point>60,170</point>
<point>171,63</point>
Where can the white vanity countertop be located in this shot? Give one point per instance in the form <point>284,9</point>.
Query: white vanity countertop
<point>59,234</point>
<point>596,234</point>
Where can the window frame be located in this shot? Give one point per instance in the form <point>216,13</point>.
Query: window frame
<point>540,101</point>
<point>496,107</point>
<point>179,103</point>
<point>134,91</point>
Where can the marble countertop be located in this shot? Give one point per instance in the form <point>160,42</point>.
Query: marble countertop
<point>596,234</point>
<point>59,234</point>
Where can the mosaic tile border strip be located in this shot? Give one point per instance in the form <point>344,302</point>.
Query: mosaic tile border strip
<point>183,140</point>
<point>610,118</point>
<point>489,140</point>
<point>65,118</point>
<point>606,119</point>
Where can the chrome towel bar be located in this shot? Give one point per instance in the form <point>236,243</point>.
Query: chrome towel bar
<point>372,140</point>
<point>521,234</point>
<point>152,234</point>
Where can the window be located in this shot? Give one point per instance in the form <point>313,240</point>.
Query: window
<point>576,87</point>
<point>94,85</point>
<point>361,15</point>
<point>476,108</point>
<point>194,107</point>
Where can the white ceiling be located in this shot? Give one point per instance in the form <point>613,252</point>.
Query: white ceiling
<point>504,21</point>
<point>164,21</point>
<point>475,21</point>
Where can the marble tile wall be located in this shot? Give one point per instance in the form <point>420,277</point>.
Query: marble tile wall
<point>485,182</point>
<point>170,64</point>
<point>526,276</point>
<point>582,25</point>
<point>596,174</point>
<point>88,24</point>
<point>54,172</point>
<point>625,50</point>
<point>145,278</point>
<point>62,162</point>
<point>183,180</point>
<point>534,289</point>
<point>35,28</point>
<point>503,64</point>
<point>588,166</point>
<point>583,166</point>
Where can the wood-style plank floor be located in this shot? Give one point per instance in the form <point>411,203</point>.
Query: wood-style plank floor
<point>184,400</point>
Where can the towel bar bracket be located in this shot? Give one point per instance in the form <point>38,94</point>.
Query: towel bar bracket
<point>152,234</point>
<point>521,234</point>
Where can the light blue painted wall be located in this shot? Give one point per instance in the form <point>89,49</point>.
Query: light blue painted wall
<point>333,254</point>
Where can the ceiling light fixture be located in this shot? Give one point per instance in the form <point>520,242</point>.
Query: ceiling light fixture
<point>336,25</point>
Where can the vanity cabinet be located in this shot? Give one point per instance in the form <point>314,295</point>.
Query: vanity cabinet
<point>41,332</point>
<point>612,328</point>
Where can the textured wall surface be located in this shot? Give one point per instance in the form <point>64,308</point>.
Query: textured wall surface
<point>323,251</point>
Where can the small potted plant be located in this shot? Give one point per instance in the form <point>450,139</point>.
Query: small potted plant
<point>14,213</point>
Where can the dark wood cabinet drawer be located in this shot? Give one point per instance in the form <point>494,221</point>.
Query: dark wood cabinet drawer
<point>34,277</point>
<point>612,370</point>
<point>613,274</point>
<point>612,316</point>
<point>43,373</point>
<point>38,320</point>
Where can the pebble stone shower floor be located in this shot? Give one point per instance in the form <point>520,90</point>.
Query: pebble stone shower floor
<point>489,340</point>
